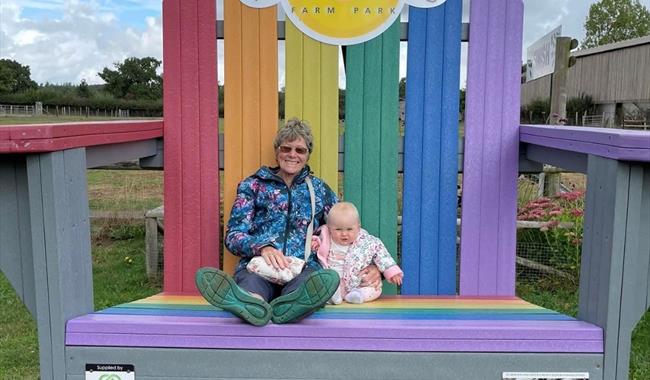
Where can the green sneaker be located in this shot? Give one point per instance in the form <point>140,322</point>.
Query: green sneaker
<point>310,296</point>
<point>220,290</point>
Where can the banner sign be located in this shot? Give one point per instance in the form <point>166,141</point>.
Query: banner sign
<point>540,56</point>
<point>342,22</point>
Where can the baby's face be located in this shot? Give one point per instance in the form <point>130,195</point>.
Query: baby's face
<point>343,228</point>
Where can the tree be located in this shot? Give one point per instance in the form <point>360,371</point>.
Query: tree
<point>14,77</point>
<point>135,78</point>
<point>462,96</point>
<point>83,90</point>
<point>611,21</point>
<point>221,92</point>
<point>402,88</point>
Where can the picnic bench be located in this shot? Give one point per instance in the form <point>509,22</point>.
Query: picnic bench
<point>437,327</point>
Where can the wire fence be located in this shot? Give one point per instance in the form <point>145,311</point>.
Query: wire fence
<point>18,111</point>
<point>604,120</point>
<point>7,110</point>
<point>534,263</point>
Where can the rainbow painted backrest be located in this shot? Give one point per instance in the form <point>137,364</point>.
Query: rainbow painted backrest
<point>371,134</point>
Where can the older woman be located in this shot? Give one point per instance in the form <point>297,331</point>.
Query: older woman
<point>269,218</point>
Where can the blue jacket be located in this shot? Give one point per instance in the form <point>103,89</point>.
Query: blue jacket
<point>268,212</point>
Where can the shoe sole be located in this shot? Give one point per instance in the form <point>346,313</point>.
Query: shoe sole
<point>314,292</point>
<point>220,290</point>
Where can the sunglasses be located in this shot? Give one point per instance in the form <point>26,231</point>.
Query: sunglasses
<point>288,149</point>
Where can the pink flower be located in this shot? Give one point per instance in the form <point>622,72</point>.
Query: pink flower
<point>572,196</point>
<point>576,212</point>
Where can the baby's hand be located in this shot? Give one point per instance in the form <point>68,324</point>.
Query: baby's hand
<point>396,279</point>
<point>315,243</point>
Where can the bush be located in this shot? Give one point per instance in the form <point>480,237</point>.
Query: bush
<point>580,105</point>
<point>126,232</point>
<point>536,112</point>
<point>69,96</point>
<point>562,229</point>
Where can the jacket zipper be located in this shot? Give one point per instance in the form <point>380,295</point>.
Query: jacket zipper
<point>286,229</point>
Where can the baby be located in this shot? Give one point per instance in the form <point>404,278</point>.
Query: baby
<point>347,248</point>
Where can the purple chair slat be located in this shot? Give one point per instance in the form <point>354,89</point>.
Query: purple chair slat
<point>351,344</point>
<point>616,144</point>
<point>604,136</point>
<point>334,328</point>
<point>510,154</point>
<point>491,163</point>
<point>491,149</point>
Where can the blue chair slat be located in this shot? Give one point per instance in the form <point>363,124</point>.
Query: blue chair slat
<point>430,151</point>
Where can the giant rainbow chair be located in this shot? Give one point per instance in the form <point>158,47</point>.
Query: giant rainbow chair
<point>441,327</point>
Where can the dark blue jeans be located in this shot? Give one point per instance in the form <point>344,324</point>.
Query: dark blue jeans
<point>268,290</point>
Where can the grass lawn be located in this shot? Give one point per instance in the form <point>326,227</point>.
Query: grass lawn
<point>18,342</point>
<point>125,190</point>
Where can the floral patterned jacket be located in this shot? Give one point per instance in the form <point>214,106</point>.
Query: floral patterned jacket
<point>268,212</point>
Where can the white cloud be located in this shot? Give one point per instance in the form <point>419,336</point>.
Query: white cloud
<point>78,43</point>
<point>27,37</point>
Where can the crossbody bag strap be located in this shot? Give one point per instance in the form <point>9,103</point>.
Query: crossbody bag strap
<point>310,228</point>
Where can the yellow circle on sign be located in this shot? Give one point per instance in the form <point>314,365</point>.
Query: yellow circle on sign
<point>343,22</point>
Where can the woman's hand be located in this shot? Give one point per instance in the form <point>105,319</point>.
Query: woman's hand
<point>370,276</point>
<point>274,257</point>
<point>315,243</point>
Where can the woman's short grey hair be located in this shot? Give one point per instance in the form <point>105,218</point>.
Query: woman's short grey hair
<point>292,130</point>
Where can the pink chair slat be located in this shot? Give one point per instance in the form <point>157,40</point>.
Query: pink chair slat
<point>191,182</point>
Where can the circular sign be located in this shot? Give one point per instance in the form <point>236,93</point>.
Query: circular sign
<point>424,3</point>
<point>342,22</point>
<point>259,3</point>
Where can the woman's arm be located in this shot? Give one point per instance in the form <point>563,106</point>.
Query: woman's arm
<point>328,198</point>
<point>239,239</point>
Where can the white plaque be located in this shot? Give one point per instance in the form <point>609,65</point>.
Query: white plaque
<point>110,372</point>
<point>545,376</point>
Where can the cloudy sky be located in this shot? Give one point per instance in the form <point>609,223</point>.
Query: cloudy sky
<point>65,41</point>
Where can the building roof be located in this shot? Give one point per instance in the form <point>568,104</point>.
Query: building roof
<point>614,46</point>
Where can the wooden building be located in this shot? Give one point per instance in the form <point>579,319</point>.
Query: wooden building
<point>617,73</point>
